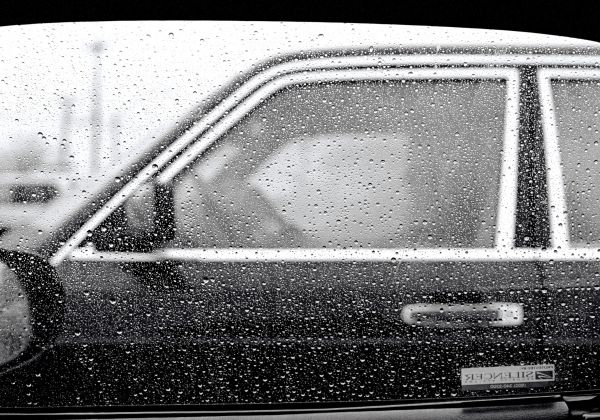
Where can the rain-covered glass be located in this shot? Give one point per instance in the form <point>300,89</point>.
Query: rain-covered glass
<point>365,164</point>
<point>577,104</point>
<point>222,213</point>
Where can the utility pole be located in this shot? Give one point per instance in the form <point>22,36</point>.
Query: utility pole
<point>96,109</point>
<point>115,146</point>
<point>64,146</point>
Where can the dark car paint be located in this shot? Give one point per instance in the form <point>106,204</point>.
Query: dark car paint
<point>264,332</point>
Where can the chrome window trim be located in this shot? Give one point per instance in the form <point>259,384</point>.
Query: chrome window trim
<point>349,255</point>
<point>557,203</point>
<point>506,216</point>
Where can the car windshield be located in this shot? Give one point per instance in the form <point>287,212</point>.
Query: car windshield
<point>220,213</point>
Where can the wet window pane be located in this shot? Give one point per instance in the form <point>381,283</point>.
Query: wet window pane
<point>363,164</point>
<point>577,106</point>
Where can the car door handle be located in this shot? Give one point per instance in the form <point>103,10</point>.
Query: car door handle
<point>462,315</point>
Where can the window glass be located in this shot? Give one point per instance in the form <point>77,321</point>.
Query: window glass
<point>398,164</point>
<point>577,105</point>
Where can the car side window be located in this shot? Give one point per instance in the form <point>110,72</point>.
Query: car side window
<point>577,114</point>
<point>375,164</point>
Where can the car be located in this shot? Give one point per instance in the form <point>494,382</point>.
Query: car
<point>353,225</point>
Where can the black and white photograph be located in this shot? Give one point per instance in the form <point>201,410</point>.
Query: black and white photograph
<point>363,215</point>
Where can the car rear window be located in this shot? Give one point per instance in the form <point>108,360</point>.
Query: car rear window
<point>577,110</point>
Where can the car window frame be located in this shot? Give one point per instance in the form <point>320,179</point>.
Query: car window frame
<point>168,168</point>
<point>505,216</point>
<point>66,240</point>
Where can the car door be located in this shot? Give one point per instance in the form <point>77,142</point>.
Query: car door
<point>342,234</point>
<point>570,103</point>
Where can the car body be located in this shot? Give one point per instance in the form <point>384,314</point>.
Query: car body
<point>241,309</point>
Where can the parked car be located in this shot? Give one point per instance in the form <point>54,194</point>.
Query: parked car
<point>334,226</point>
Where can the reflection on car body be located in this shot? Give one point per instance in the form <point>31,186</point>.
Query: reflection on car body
<point>343,227</point>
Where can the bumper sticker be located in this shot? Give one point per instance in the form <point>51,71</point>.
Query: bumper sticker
<point>505,377</point>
